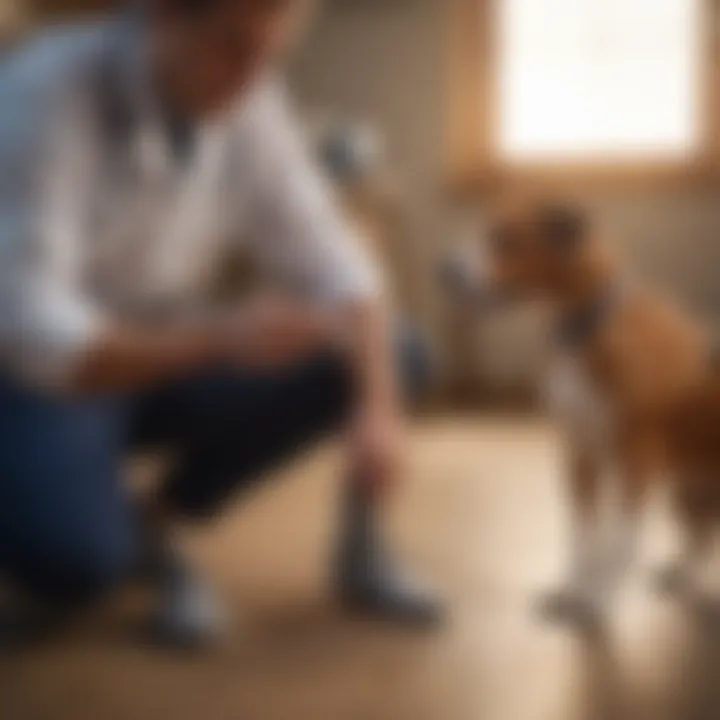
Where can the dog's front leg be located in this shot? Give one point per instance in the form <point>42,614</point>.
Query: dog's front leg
<point>584,486</point>
<point>578,598</point>
<point>637,465</point>
<point>685,574</point>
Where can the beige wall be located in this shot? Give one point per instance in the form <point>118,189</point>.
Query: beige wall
<point>384,61</point>
<point>12,18</point>
<point>380,61</point>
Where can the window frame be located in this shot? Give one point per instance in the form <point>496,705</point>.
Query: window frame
<point>472,160</point>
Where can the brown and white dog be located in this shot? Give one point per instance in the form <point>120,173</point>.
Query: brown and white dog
<point>631,383</point>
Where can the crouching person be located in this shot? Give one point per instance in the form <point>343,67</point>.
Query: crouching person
<point>127,151</point>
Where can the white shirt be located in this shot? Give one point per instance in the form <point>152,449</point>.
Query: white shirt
<point>99,217</point>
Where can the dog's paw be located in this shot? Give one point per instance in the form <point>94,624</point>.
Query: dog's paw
<point>569,606</point>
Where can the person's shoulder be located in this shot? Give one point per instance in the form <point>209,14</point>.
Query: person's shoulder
<point>39,83</point>
<point>53,61</point>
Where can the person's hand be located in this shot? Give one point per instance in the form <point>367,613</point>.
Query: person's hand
<point>377,447</point>
<point>272,331</point>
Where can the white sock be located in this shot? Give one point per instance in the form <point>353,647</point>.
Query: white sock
<point>622,549</point>
<point>585,566</point>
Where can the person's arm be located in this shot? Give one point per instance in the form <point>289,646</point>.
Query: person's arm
<point>129,358</point>
<point>260,333</point>
<point>376,434</point>
<point>300,234</point>
<point>52,334</point>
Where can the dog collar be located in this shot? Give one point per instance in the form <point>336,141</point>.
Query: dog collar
<point>576,328</point>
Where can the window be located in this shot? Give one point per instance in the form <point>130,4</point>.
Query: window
<point>598,87</point>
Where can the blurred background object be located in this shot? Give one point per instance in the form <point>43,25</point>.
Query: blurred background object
<point>13,21</point>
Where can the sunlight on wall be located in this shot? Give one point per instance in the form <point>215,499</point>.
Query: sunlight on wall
<point>599,79</point>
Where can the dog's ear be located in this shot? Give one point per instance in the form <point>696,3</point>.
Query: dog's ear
<point>564,226</point>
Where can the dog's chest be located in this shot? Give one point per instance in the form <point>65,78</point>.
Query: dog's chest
<point>577,403</point>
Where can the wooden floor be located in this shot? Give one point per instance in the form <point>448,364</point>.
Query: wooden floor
<point>483,516</point>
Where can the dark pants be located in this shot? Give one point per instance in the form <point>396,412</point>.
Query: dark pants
<point>67,529</point>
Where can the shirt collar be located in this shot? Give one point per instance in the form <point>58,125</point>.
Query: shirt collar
<point>135,119</point>
<point>578,327</point>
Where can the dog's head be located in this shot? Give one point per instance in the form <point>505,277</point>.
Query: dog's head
<point>531,249</point>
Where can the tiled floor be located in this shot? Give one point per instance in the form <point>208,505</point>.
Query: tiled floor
<point>482,514</point>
